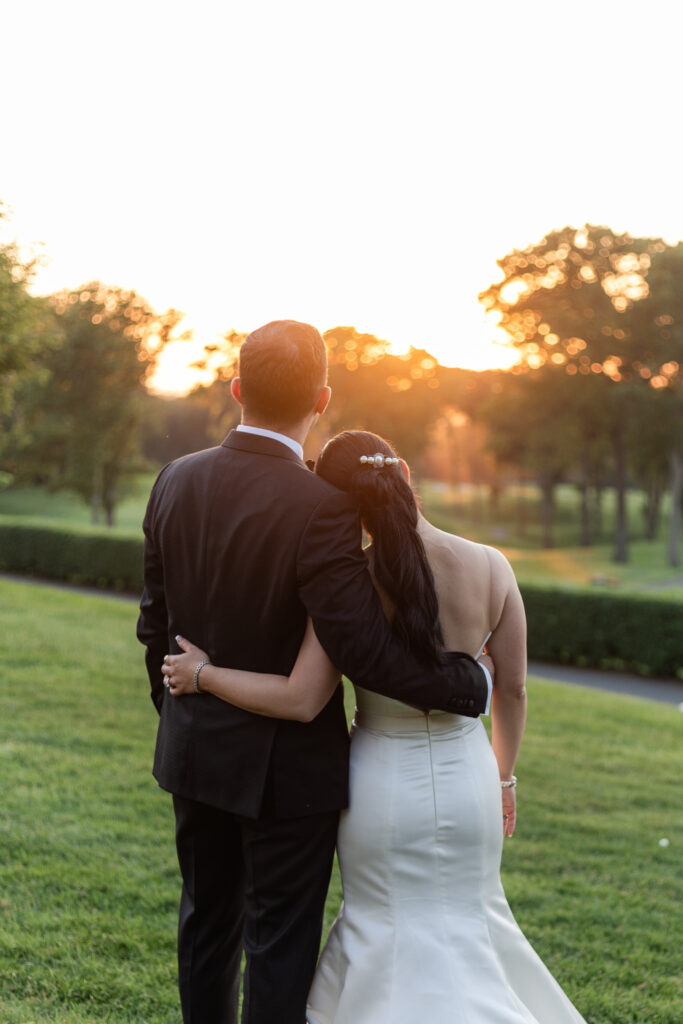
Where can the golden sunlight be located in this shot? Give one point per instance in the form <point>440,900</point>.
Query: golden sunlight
<point>480,345</point>
<point>174,373</point>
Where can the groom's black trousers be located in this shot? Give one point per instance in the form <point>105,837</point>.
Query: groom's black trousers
<point>253,884</point>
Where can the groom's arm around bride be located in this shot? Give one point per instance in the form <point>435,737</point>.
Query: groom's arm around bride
<point>352,627</point>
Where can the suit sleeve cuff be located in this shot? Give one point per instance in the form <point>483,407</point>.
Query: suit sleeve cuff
<point>489,683</point>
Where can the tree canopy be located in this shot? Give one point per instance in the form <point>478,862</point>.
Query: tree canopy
<point>597,306</point>
<point>85,409</point>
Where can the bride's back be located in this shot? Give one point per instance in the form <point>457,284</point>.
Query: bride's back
<point>472,582</point>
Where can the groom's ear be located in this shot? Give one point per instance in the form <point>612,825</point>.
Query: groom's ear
<point>323,400</point>
<point>236,389</point>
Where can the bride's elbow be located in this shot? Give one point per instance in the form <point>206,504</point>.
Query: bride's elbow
<point>308,708</point>
<point>306,711</point>
<point>511,689</point>
<point>311,699</point>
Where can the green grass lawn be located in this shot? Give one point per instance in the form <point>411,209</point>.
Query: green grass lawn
<point>646,573</point>
<point>36,504</point>
<point>89,883</point>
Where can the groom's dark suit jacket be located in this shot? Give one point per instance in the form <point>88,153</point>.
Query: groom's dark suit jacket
<point>243,542</point>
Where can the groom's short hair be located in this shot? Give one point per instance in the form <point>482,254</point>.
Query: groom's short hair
<point>282,367</point>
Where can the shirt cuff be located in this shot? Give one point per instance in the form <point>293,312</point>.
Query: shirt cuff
<point>489,683</point>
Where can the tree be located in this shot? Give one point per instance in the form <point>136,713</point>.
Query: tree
<point>213,403</point>
<point>87,410</point>
<point>531,426</point>
<point>568,301</point>
<point>649,445</point>
<point>26,330</point>
<point>660,324</point>
<point>16,311</point>
<point>590,423</point>
<point>395,396</point>
<point>172,427</point>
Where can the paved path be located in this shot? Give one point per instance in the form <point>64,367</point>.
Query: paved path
<point>667,691</point>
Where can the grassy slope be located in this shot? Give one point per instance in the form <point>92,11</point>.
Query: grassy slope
<point>89,881</point>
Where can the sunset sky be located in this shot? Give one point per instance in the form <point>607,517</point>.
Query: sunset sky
<point>362,163</point>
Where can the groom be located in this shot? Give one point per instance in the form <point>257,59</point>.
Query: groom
<point>243,542</point>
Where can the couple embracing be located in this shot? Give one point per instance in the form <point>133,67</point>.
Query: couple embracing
<point>256,578</point>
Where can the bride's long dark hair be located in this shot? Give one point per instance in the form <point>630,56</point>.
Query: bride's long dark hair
<point>389,513</point>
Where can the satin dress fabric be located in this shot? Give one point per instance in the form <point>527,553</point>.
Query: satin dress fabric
<point>424,932</point>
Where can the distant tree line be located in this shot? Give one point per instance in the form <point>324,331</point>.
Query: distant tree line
<point>596,399</point>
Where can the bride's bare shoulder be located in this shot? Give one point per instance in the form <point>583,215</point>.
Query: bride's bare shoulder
<point>481,558</point>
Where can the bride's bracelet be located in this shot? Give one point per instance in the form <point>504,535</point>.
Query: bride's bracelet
<point>195,681</point>
<point>508,783</point>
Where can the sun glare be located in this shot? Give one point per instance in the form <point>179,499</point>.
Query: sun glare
<point>175,374</point>
<point>479,345</point>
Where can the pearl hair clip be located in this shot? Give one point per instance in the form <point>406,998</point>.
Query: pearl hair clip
<point>379,461</point>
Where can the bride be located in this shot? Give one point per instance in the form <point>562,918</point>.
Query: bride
<point>424,931</point>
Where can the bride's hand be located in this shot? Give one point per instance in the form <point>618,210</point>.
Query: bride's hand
<point>179,669</point>
<point>509,810</point>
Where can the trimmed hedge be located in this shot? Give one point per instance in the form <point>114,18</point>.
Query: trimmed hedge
<point>90,557</point>
<point>624,632</point>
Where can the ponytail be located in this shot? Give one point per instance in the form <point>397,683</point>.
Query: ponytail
<point>388,511</point>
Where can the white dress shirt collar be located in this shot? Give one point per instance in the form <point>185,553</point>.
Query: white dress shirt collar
<point>282,438</point>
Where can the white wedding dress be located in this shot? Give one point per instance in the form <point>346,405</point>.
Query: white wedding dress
<point>425,934</point>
